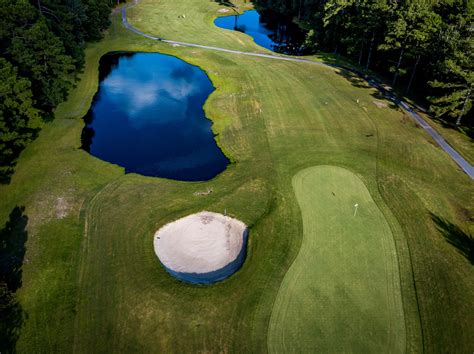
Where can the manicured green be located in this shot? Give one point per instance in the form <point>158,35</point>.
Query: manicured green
<point>342,292</point>
<point>91,280</point>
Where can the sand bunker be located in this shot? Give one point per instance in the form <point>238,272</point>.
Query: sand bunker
<point>223,11</point>
<point>202,243</point>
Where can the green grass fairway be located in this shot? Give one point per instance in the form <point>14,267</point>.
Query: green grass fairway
<point>167,22</point>
<point>91,279</point>
<point>342,293</point>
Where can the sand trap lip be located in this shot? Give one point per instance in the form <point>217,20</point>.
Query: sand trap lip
<point>200,243</point>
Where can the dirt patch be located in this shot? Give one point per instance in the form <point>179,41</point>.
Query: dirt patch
<point>203,193</point>
<point>62,208</point>
<point>380,104</point>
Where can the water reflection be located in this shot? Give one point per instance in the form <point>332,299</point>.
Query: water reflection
<point>148,117</point>
<point>269,30</point>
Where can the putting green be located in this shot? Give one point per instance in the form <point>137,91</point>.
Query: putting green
<point>342,293</point>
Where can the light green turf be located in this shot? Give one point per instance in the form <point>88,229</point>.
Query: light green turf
<point>91,280</point>
<point>167,21</point>
<point>342,293</point>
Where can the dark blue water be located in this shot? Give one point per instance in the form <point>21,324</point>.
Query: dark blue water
<point>268,30</point>
<point>148,117</point>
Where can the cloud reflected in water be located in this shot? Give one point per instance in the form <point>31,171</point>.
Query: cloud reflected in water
<point>170,90</point>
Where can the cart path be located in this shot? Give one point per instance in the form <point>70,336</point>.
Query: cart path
<point>462,163</point>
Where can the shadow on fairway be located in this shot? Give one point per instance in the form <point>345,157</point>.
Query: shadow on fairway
<point>359,79</point>
<point>225,3</point>
<point>6,174</point>
<point>456,237</point>
<point>353,78</point>
<point>466,129</point>
<point>12,253</point>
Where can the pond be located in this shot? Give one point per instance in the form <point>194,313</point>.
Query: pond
<point>269,30</point>
<point>148,117</point>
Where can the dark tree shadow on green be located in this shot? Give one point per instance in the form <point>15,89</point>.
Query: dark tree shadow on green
<point>6,174</point>
<point>12,254</point>
<point>456,237</point>
<point>12,317</point>
<point>361,80</point>
<point>355,79</point>
<point>467,128</point>
<point>225,3</point>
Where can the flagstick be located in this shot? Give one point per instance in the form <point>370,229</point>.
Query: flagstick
<point>355,211</point>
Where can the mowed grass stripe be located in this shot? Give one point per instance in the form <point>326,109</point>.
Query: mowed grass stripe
<point>342,293</point>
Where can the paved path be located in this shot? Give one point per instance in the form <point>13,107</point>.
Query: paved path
<point>462,163</point>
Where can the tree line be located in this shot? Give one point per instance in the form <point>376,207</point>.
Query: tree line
<point>41,52</point>
<point>424,47</point>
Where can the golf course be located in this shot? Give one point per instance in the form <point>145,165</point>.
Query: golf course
<point>357,220</point>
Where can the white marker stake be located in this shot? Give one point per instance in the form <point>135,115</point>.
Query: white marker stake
<point>355,211</point>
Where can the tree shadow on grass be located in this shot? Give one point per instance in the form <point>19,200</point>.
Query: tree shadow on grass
<point>380,95</point>
<point>360,80</point>
<point>225,3</point>
<point>466,129</point>
<point>12,253</point>
<point>329,59</point>
<point>456,237</point>
<point>12,318</point>
<point>6,174</point>
<point>355,79</point>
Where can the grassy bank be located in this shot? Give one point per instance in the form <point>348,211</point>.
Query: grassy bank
<point>460,140</point>
<point>92,282</point>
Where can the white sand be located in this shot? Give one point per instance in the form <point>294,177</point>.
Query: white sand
<point>223,11</point>
<point>199,243</point>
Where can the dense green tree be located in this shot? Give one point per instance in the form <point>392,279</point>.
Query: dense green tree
<point>364,26</point>
<point>15,17</point>
<point>97,18</point>
<point>65,19</point>
<point>409,31</point>
<point>41,50</point>
<point>373,18</point>
<point>455,92</point>
<point>41,55</point>
<point>333,20</point>
<point>19,120</point>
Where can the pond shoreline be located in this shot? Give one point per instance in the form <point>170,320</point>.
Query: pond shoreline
<point>147,116</point>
